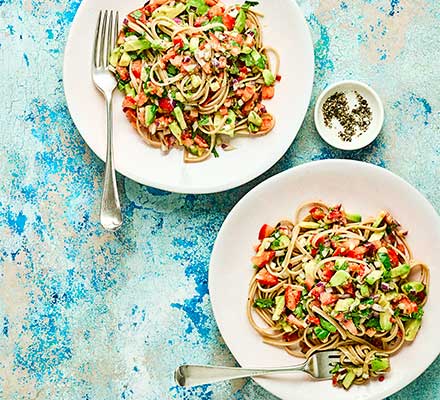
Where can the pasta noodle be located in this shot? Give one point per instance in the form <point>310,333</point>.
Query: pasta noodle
<point>194,74</point>
<point>329,280</point>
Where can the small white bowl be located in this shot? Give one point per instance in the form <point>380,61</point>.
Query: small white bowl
<point>330,135</point>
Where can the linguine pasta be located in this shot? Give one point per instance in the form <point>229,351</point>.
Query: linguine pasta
<point>330,280</point>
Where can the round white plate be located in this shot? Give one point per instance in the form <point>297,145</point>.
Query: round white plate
<point>360,187</point>
<point>284,28</point>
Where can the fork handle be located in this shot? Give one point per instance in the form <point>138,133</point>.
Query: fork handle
<point>111,215</point>
<point>193,375</point>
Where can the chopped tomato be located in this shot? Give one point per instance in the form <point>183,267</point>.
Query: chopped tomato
<point>200,20</point>
<point>407,306</point>
<point>223,111</point>
<point>131,116</point>
<point>401,248</point>
<point>136,68</point>
<point>215,11</point>
<point>267,122</point>
<point>248,93</point>
<point>313,320</point>
<point>123,73</point>
<point>178,41</point>
<point>229,22</point>
<point>358,253</point>
<point>328,298</point>
<point>292,297</point>
<point>244,70</point>
<point>371,248</point>
<point>335,380</point>
<point>129,102</point>
<point>265,258</point>
<point>317,213</point>
<point>265,231</point>
<point>142,98</point>
<point>394,257</point>
<point>348,288</point>
<point>336,214</point>
<point>268,92</point>
<point>339,317</point>
<point>291,337</point>
<point>211,2</point>
<point>310,281</point>
<point>356,268</point>
<point>349,244</point>
<point>328,270</point>
<point>340,251</point>
<point>201,142</point>
<point>319,241</point>
<point>166,105</point>
<point>278,78</point>
<point>266,278</point>
<point>316,292</point>
<point>313,252</point>
<point>350,326</point>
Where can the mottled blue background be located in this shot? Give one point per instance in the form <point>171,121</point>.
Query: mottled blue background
<point>86,314</point>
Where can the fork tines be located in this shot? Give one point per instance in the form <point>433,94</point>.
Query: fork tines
<point>107,29</point>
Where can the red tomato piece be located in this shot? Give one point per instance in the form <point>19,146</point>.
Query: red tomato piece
<point>348,288</point>
<point>394,257</point>
<point>408,306</point>
<point>178,41</point>
<point>278,78</point>
<point>136,68</point>
<point>123,73</point>
<point>316,291</point>
<point>265,231</point>
<point>129,102</point>
<point>264,277</point>
<point>201,142</point>
<point>265,258</point>
<point>328,270</point>
<point>268,92</point>
<point>229,22</point>
<point>356,268</point>
<point>313,320</point>
<point>358,253</point>
<point>131,116</point>
<point>211,2</point>
<point>317,213</point>
<point>292,297</point>
<point>336,214</point>
<point>142,98</point>
<point>328,298</point>
<point>166,105</point>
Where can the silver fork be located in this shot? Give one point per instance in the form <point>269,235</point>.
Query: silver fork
<point>318,366</point>
<point>107,29</point>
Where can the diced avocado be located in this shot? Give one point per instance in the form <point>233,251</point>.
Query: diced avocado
<point>176,131</point>
<point>231,118</point>
<point>196,81</point>
<point>129,91</point>
<point>286,327</point>
<point>401,270</point>
<point>328,326</point>
<point>379,219</point>
<point>355,304</point>
<point>380,364</point>
<point>125,60</point>
<point>412,326</point>
<point>281,243</point>
<point>384,321</point>
<point>353,217</point>
<point>268,77</point>
<point>255,119</point>
<point>348,379</point>
<point>373,276</point>
<point>413,287</point>
<point>383,257</point>
<point>114,56</point>
<point>279,307</point>
<point>137,45</point>
<point>343,304</point>
<point>218,118</point>
<point>169,11</point>
<point>341,264</point>
<point>255,55</point>
<point>150,114</point>
<point>144,74</point>
<point>390,296</point>
<point>179,97</point>
<point>309,225</point>
<point>180,118</point>
<point>194,44</point>
<point>246,50</point>
<point>365,291</point>
<point>376,236</point>
<point>215,86</point>
<point>339,278</point>
<point>195,150</point>
<point>240,22</point>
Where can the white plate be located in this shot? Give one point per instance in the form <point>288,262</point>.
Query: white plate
<point>360,187</point>
<point>284,28</point>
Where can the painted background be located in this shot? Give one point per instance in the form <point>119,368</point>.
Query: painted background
<point>91,315</point>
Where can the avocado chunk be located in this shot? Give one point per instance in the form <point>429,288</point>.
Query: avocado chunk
<point>365,292</point>
<point>125,60</point>
<point>194,44</point>
<point>137,45</point>
<point>129,91</point>
<point>150,114</point>
<point>281,243</point>
<point>255,119</point>
<point>353,217</point>
<point>401,270</point>
<point>309,225</point>
<point>384,321</point>
<point>373,276</point>
<point>376,236</point>
<point>339,278</point>
<point>343,304</point>
<point>279,307</point>
<point>348,380</point>
<point>268,77</point>
<point>180,118</point>
<point>412,326</point>
<point>114,56</point>
<point>380,364</point>
<point>413,287</point>
<point>240,22</point>
<point>176,131</point>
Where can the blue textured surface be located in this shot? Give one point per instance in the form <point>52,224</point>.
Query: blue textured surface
<point>90,315</point>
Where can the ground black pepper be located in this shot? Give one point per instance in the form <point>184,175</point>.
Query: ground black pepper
<point>354,121</point>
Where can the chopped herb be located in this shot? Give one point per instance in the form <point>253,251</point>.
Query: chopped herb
<point>172,70</point>
<point>264,303</point>
<point>214,151</point>
<point>328,326</point>
<point>373,323</point>
<point>248,4</point>
<point>204,121</point>
<point>200,6</point>
<point>322,334</point>
<point>335,369</point>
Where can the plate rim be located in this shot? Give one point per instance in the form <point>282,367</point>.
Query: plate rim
<point>261,382</point>
<point>177,188</point>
